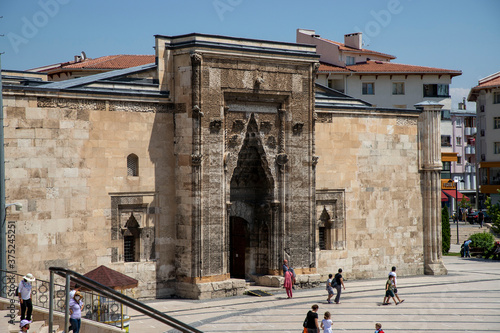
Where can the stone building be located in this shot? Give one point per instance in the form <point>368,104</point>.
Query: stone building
<point>213,165</point>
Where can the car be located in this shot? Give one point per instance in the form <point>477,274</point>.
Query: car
<point>472,217</point>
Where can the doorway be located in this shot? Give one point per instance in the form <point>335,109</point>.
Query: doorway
<point>238,245</point>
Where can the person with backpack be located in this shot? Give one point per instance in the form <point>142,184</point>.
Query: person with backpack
<point>311,321</point>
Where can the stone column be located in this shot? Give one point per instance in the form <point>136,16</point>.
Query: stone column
<point>281,161</point>
<point>430,167</point>
<point>274,250</point>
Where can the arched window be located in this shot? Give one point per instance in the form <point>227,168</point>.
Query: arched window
<point>132,165</point>
<point>131,240</point>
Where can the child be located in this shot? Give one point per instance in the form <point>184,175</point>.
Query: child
<point>326,324</point>
<point>378,328</point>
<point>24,325</point>
<point>329,288</point>
<point>389,291</point>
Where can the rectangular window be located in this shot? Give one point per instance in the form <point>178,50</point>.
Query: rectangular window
<point>496,122</point>
<point>446,172</point>
<point>436,90</point>
<point>368,88</point>
<point>350,60</point>
<point>398,88</point>
<point>445,140</point>
<point>458,122</point>
<point>445,114</point>
<point>459,159</point>
<point>496,97</point>
<point>459,140</point>
<point>495,175</point>
<point>330,83</point>
<point>497,148</point>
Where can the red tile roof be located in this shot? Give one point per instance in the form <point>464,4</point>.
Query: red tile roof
<point>489,82</point>
<point>345,48</point>
<point>382,67</point>
<point>111,278</point>
<point>114,62</point>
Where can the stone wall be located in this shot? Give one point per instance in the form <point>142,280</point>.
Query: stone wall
<point>374,159</point>
<point>66,160</point>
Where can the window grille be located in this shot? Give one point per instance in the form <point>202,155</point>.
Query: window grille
<point>132,165</point>
<point>129,248</point>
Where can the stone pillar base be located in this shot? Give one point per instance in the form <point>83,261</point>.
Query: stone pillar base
<point>227,288</point>
<point>435,269</point>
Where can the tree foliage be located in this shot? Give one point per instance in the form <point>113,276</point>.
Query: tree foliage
<point>445,230</point>
<point>494,212</point>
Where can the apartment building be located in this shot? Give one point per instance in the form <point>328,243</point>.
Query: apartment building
<point>487,97</point>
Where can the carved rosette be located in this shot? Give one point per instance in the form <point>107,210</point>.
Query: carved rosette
<point>281,159</point>
<point>196,58</point>
<point>215,125</point>
<point>297,128</point>
<point>196,160</point>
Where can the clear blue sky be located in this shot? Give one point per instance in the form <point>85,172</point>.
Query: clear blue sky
<point>452,34</point>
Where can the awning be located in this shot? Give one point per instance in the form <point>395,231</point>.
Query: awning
<point>443,197</point>
<point>452,193</point>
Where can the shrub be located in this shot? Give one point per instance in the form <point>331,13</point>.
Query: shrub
<point>483,240</point>
<point>494,212</point>
<point>445,230</point>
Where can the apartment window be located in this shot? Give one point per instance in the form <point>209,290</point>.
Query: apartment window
<point>446,172</point>
<point>459,140</point>
<point>496,97</point>
<point>436,90</point>
<point>350,60</point>
<point>398,88</point>
<point>132,165</point>
<point>368,88</point>
<point>458,122</point>
<point>495,176</point>
<point>497,148</point>
<point>445,114</point>
<point>459,159</point>
<point>496,122</point>
<point>330,83</point>
<point>445,140</point>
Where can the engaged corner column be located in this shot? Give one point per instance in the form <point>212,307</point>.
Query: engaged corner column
<point>430,168</point>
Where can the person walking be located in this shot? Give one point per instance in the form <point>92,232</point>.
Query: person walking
<point>326,324</point>
<point>24,291</point>
<point>75,311</point>
<point>288,283</point>
<point>393,273</point>
<point>338,284</point>
<point>329,288</point>
<point>389,291</point>
<point>480,218</point>
<point>378,328</point>
<point>311,321</point>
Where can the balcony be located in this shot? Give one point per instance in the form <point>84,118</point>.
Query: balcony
<point>470,131</point>
<point>470,150</point>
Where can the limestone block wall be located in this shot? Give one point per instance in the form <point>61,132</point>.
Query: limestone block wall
<point>374,158</point>
<point>66,158</point>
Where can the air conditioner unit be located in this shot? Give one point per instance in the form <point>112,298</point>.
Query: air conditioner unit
<point>483,157</point>
<point>481,108</point>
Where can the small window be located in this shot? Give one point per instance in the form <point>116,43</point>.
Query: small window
<point>445,114</point>
<point>368,88</point>
<point>496,122</point>
<point>496,97</point>
<point>445,140</point>
<point>322,238</point>
<point>458,122</point>
<point>398,88</point>
<point>459,159</point>
<point>330,83</point>
<point>446,172</point>
<point>350,60</point>
<point>459,140</point>
<point>497,147</point>
<point>132,165</point>
<point>129,248</point>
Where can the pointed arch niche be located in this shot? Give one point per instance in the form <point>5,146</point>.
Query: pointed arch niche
<point>330,217</point>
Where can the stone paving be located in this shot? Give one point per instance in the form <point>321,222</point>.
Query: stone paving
<point>465,300</point>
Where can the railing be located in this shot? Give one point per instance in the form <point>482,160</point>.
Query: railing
<point>470,130</point>
<point>111,294</point>
<point>470,150</point>
<point>96,307</point>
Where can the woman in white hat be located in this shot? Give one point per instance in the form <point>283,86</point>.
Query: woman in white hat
<point>24,325</point>
<point>24,291</point>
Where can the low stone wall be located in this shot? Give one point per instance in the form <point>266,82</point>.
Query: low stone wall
<point>228,288</point>
<point>302,281</point>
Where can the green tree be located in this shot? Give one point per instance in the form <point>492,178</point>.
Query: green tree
<point>494,212</point>
<point>445,230</point>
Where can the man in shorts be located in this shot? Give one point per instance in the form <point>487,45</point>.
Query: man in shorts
<point>329,288</point>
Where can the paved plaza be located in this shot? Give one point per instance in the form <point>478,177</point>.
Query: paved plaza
<point>465,300</point>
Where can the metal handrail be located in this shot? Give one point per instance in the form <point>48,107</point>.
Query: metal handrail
<point>114,295</point>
